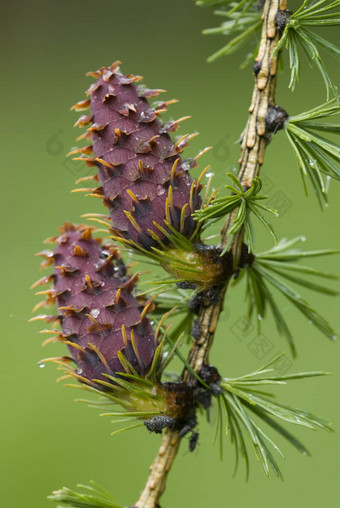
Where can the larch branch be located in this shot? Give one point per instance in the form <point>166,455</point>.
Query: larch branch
<point>253,145</point>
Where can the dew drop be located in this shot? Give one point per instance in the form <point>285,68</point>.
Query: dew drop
<point>148,115</point>
<point>41,365</point>
<point>328,181</point>
<point>259,317</point>
<point>95,313</point>
<point>188,164</point>
<point>160,190</point>
<point>208,175</point>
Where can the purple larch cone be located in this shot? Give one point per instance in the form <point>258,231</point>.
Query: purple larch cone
<point>98,312</point>
<point>143,178</point>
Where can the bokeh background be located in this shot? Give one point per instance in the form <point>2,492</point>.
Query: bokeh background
<point>48,440</point>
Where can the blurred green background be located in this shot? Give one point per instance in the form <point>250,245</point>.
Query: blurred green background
<point>47,440</point>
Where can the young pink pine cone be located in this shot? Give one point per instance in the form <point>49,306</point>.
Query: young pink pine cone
<point>98,313</point>
<point>143,177</point>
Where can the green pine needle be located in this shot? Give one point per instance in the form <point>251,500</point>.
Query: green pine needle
<point>211,3</point>
<point>316,155</point>
<point>93,496</point>
<point>242,24</point>
<point>248,26</point>
<point>241,399</point>
<point>162,255</point>
<point>247,202</point>
<point>297,33</point>
<point>277,268</point>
